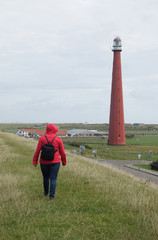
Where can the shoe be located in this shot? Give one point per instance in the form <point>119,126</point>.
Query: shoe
<point>51,198</point>
<point>45,194</point>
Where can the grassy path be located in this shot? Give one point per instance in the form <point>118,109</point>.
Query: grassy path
<point>92,201</point>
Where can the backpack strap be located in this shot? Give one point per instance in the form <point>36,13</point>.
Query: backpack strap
<point>53,140</point>
<point>46,139</point>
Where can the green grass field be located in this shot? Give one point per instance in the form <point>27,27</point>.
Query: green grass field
<point>130,151</point>
<point>146,129</point>
<point>144,166</point>
<point>92,201</point>
<point>145,139</point>
<point>12,128</point>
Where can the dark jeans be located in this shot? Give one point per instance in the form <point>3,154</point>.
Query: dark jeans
<point>50,172</point>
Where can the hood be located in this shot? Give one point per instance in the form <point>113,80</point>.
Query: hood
<point>50,129</point>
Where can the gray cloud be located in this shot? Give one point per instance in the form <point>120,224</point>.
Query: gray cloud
<point>56,55</point>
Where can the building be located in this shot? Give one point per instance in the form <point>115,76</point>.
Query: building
<point>85,133</point>
<point>116,122</point>
<point>37,132</point>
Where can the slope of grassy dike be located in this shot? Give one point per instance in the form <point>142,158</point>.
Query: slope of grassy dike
<point>92,201</point>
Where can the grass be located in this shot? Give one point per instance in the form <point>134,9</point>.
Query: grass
<point>145,139</point>
<point>130,151</point>
<point>145,166</point>
<point>146,129</point>
<point>13,128</point>
<point>92,201</point>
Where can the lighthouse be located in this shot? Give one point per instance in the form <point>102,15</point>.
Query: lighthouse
<point>116,122</point>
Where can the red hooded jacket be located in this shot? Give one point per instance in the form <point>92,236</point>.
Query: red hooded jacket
<point>51,131</point>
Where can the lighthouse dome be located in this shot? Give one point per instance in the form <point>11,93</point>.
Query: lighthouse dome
<point>117,45</point>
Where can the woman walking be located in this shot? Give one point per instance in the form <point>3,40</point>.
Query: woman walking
<point>52,153</point>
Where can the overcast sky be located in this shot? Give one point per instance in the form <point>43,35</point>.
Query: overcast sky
<point>56,60</point>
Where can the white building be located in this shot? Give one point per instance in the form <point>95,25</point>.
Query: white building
<point>23,133</point>
<point>81,133</point>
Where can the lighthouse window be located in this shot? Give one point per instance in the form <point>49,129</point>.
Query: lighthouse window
<point>117,57</point>
<point>118,89</point>
<point>118,78</point>
<point>118,123</point>
<point>118,100</point>
<point>118,111</point>
<point>118,68</point>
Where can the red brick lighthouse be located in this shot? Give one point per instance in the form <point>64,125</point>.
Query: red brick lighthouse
<point>116,124</point>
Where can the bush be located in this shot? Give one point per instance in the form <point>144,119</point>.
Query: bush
<point>86,146</point>
<point>129,136</point>
<point>154,165</point>
<point>75,144</point>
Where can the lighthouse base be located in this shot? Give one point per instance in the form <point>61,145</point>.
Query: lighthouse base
<point>114,143</point>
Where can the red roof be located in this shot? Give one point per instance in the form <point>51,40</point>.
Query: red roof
<point>42,132</point>
<point>33,131</point>
<point>62,133</point>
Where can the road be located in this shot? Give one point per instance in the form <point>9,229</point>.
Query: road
<point>127,167</point>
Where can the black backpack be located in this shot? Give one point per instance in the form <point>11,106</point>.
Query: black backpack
<point>48,151</point>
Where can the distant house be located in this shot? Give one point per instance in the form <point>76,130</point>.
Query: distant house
<point>80,132</point>
<point>23,132</point>
<point>30,132</point>
<point>138,124</point>
<point>128,124</point>
<point>38,132</point>
<point>62,133</point>
<point>101,134</point>
<point>85,133</point>
<point>72,132</point>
